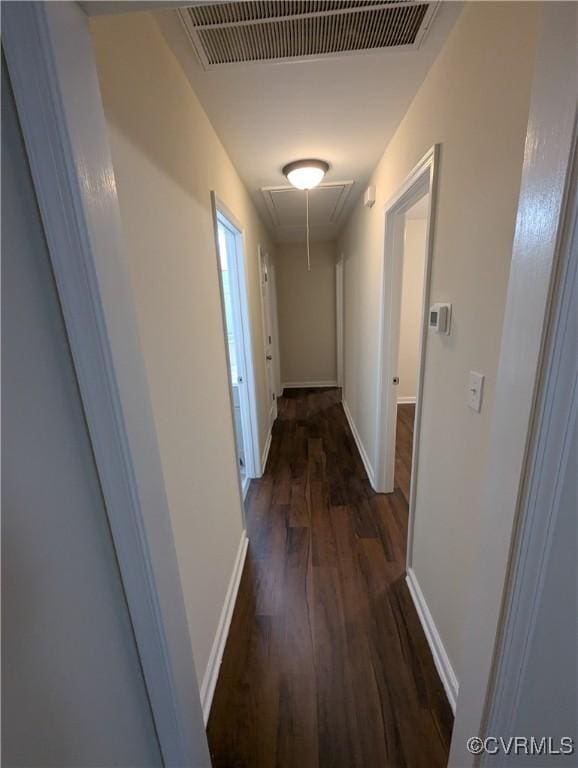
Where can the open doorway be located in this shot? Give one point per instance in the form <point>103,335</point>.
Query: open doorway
<point>239,358</point>
<point>405,296</point>
<point>410,327</point>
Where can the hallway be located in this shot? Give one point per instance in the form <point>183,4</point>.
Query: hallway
<point>326,662</point>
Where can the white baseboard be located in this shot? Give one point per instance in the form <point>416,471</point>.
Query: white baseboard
<point>265,454</point>
<point>406,400</point>
<point>440,657</point>
<point>307,384</point>
<point>214,664</point>
<point>359,443</point>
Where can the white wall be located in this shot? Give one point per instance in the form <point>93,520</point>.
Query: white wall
<point>306,310</point>
<point>72,687</point>
<point>474,102</point>
<point>167,159</point>
<point>414,253</point>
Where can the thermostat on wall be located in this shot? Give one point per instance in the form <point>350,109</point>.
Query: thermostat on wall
<point>440,316</point>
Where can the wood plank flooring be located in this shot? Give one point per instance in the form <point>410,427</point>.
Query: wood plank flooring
<point>326,664</point>
<point>403,448</point>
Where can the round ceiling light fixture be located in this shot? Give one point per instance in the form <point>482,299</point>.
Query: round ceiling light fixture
<point>305,174</point>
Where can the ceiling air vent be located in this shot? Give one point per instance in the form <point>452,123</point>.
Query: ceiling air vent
<point>226,33</point>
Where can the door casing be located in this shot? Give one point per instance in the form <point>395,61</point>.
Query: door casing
<point>248,393</point>
<point>421,181</point>
<point>269,347</point>
<point>52,68</point>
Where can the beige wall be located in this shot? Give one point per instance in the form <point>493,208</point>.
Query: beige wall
<point>306,307</point>
<point>411,306</point>
<point>474,102</point>
<point>167,158</point>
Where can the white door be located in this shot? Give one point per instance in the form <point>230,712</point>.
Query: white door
<point>266,304</point>
<point>339,318</point>
<point>272,285</point>
<point>231,265</point>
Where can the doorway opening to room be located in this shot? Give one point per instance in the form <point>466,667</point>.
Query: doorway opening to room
<point>237,338</point>
<point>410,329</point>
<point>405,298</point>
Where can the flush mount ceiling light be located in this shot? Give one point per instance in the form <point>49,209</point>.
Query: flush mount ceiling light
<point>306,174</point>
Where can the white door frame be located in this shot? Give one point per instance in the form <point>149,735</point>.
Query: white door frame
<point>548,460</point>
<point>267,323</point>
<point>53,73</point>
<point>275,312</point>
<point>339,267</point>
<point>234,265</point>
<point>248,391</point>
<point>489,669</point>
<point>421,181</point>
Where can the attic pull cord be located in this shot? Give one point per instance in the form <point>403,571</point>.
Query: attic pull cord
<point>308,255</point>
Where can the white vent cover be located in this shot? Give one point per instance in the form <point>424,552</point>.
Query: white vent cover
<point>226,33</point>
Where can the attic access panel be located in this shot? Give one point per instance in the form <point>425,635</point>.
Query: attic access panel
<point>227,33</point>
<point>286,205</point>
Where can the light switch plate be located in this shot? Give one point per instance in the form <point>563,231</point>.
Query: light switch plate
<point>475,391</point>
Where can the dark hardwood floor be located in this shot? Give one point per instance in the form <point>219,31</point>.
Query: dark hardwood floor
<point>326,664</point>
<point>403,448</point>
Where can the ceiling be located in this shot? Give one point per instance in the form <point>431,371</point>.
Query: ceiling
<point>343,109</point>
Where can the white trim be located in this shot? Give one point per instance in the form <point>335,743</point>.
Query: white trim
<point>438,651</point>
<point>421,181</point>
<point>106,8</point>
<point>265,455</point>
<point>359,443</point>
<point>339,270</point>
<point>275,313</point>
<point>406,400</point>
<point>245,483</point>
<point>549,460</point>
<point>536,255</point>
<point>49,53</point>
<point>249,413</point>
<point>267,324</point>
<point>308,384</point>
<point>214,664</point>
